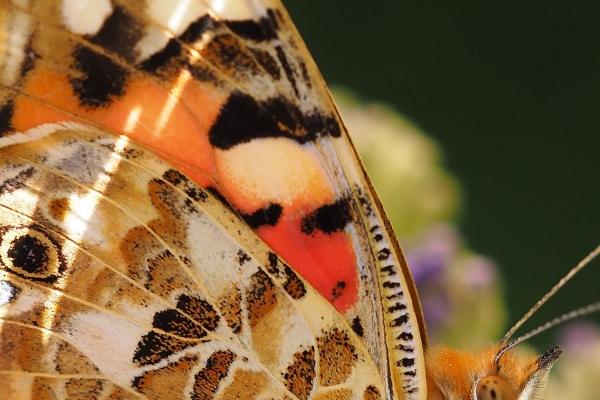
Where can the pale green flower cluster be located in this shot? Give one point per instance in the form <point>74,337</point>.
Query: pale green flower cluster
<point>460,290</point>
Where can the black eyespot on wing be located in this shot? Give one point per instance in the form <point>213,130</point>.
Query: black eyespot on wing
<point>102,81</point>
<point>31,253</point>
<point>328,218</point>
<point>265,216</point>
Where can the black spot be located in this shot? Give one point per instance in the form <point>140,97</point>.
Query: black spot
<point>273,265</point>
<point>328,218</point>
<point>197,28</point>
<point>103,79</point>
<point>287,68</point>
<point>29,61</point>
<point>293,285</point>
<point>180,181</point>
<point>391,285</point>
<point>397,307</point>
<point>242,257</point>
<point>173,53</point>
<point>357,327</point>
<point>265,216</point>
<point>120,34</point>
<point>401,320</point>
<point>174,322</point>
<point>390,270</point>
<point>16,182</point>
<point>397,295</point>
<point>408,349</point>
<point>493,393</point>
<point>338,290</point>
<point>6,114</point>
<point>410,373</point>
<point>405,336</point>
<point>305,74</point>
<point>258,31</point>
<point>162,58</point>
<point>29,254</point>
<point>200,310</point>
<point>406,362</point>
<point>267,62</point>
<point>383,254</point>
<point>242,119</point>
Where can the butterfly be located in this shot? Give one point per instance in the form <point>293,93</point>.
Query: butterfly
<point>183,216</point>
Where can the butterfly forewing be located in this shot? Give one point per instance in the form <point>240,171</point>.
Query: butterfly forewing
<point>226,92</point>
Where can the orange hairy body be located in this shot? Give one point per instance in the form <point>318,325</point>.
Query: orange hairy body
<point>454,374</point>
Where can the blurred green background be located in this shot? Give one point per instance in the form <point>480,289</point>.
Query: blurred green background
<point>511,92</point>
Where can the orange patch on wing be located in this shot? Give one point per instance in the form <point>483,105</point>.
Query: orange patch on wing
<point>147,113</point>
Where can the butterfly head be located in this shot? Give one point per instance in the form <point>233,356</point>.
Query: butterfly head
<point>483,375</point>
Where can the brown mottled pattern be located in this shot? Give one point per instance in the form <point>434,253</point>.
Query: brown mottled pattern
<point>169,381</point>
<point>83,389</point>
<point>138,283</point>
<point>261,297</point>
<point>336,394</point>
<point>337,356</point>
<point>160,276</point>
<point>155,347</point>
<point>300,374</point>
<point>293,284</point>
<point>247,385</point>
<point>230,305</point>
<point>70,361</point>
<point>200,310</point>
<point>207,381</point>
<point>227,53</point>
<point>371,393</point>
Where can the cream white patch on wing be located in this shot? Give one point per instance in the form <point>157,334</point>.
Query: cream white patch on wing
<point>85,17</point>
<point>14,48</point>
<point>236,9</point>
<point>273,170</point>
<point>108,341</point>
<point>176,16</point>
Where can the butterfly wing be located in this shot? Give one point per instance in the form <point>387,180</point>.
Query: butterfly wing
<point>119,278</point>
<point>227,93</point>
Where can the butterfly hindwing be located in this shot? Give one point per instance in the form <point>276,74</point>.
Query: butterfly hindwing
<point>120,277</point>
<point>226,92</point>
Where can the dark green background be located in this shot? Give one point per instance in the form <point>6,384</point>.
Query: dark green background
<point>511,91</point>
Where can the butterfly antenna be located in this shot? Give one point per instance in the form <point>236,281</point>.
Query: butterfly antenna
<point>582,264</point>
<point>577,313</point>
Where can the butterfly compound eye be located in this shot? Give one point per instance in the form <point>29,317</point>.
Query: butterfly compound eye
<point>493,387</point>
